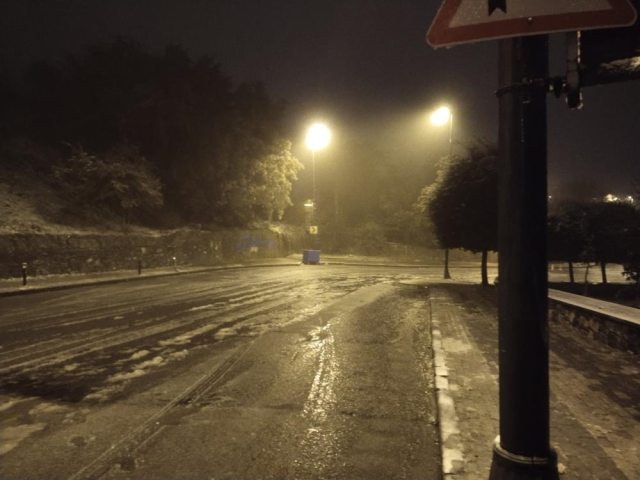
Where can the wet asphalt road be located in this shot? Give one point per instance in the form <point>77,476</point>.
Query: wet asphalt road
<point>293,372</point>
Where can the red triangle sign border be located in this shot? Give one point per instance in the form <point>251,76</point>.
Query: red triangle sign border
<point>440,33</point>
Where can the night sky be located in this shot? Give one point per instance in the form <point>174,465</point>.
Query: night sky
<point>361,66</point>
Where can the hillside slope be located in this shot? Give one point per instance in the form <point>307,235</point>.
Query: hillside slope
<point>30,205</point>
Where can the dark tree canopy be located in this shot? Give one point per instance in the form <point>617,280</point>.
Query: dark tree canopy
<point>462,204</point>
<point>566,235</point>
<point>219,150</point>
<point>121,182</point>
<point>612,229</point>
<point>595,232</point>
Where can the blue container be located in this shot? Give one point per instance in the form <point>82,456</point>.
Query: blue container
<point>311,257</point>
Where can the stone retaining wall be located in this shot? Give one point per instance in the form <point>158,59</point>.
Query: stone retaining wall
<point>615,332</point>
<point>50,254</point>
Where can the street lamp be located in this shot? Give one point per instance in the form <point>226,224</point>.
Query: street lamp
<point>318,137</point>
<point>438,118</point>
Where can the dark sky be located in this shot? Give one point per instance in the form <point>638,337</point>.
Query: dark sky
<point>361,66</point>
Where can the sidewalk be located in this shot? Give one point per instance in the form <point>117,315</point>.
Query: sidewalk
<point>595,391</point>
<point>47,283</point>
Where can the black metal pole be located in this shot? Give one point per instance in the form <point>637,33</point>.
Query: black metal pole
<point>523,448</point>
<point>314,222</point>
<point>313,187</point>
<point>24,274</point>
<point>139,266</point>
<point>447,275</point>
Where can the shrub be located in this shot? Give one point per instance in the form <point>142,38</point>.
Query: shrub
<point>121,182</point>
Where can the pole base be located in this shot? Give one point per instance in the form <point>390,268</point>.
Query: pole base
<point>509,466</point>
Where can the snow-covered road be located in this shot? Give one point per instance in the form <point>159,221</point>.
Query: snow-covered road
<point>93,377</point>
<point>283,372</point>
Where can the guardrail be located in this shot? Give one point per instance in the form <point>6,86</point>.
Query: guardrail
<point>615,325</point>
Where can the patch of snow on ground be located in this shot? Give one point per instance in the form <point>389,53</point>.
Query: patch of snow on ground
<point>181,340</point>
<point>10,437</point>
<point>89,371</point>
<point>7,402</point>
<point>70,367</point>
<point>203,307</point>
<point>101,395</point>
<point>142,368</point>
<point>186,337</point>
<point>46,408</point>
<point>126,376</point>
<point>150,363</point>
<point>178,355</point>
<point>140,354</point>
<point>225,332</point>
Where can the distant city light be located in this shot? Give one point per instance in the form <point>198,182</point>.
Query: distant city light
<point>318,137</point>
<point>614,198</point>
<point>440,116</point>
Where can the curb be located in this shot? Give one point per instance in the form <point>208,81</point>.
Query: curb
<point>389,265</point>
<point>111,281</point>
<point>451,449</point>
<point>396,265</point>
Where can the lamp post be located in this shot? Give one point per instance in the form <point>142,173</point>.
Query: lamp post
<point>318,138</point>
<point>438,118</point>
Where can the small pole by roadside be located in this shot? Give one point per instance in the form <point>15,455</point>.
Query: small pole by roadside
<point>175,263</point>
<point>139,266</point>
<point>24,274</point>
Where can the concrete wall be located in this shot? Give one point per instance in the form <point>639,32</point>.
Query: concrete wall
<point>47,254</point>
<point>601,327</point>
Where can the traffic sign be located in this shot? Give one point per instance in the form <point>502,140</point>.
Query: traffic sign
<point>468,21</point>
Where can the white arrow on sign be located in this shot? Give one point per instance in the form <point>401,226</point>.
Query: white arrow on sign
<point>468,21</point>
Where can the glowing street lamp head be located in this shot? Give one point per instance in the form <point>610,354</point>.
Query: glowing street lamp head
<point>318,137</point>
<point>440,116</point>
